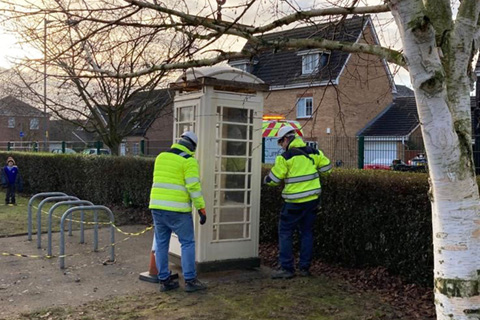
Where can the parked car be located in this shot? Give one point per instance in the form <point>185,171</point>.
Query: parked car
<point>67,151</point>
<point>416,164</point>
<point>378,164</point>
<point>94,151</point>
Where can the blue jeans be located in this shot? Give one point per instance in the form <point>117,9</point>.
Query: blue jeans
<point>295,216</point>
<point>182,224</point>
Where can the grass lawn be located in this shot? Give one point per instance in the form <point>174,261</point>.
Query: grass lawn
<point>14,219</point>
<point>318,298</point>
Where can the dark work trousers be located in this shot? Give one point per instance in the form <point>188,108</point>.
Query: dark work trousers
<point>10,197</point>
<point>295,216</point>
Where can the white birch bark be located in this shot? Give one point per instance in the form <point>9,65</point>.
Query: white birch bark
<point>443,103</point>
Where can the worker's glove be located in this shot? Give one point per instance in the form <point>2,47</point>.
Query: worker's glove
<point>267,179</point>
<point>203,216</point>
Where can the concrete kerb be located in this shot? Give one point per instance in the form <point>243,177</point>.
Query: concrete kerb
<point>50,213</point>
<point>30,204</point>
<point>95,209</point>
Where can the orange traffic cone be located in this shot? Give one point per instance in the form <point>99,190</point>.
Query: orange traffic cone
<point>152,274</point>
<point>152,270</point>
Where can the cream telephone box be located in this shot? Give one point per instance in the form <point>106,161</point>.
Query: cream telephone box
<point>224,107</point>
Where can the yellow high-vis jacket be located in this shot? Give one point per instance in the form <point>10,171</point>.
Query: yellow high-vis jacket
<point>176,181</point>
<point>299,167</point>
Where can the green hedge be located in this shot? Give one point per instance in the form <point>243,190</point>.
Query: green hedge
<point>368,218</point>
<point>103,180</point>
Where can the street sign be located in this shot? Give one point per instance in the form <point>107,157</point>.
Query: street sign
<point>22,134</point>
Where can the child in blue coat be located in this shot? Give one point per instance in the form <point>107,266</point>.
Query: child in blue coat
<point>9,178</point>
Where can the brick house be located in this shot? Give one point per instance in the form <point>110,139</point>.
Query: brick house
<point>157,131</point>
<point>20,121</point>
<point>332,94</point>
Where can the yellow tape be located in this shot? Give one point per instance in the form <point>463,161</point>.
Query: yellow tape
<point>103,223</point>
<point>102,249</point>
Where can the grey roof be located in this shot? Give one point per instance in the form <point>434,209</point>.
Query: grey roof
<point>62,130</point>
<point>285,67</point>
<point>403,91</point>
<point>151,102</point>
<point>399,118</point>
<point>11,106</point>
<point>156,98</point>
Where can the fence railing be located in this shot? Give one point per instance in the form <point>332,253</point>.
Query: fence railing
<point>346,152</point>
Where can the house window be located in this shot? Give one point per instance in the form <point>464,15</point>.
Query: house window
<point>136,149</point>
<point>304,107</point>
<point>11,122</point>
<point>313,61</point>
<point>34,124</point>
<point>244,65</point>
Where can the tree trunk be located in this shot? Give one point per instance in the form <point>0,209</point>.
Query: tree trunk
<point>441,97</point>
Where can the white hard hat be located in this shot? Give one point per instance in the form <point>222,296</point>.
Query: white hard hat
<point>285,131</point>
<point>191,136</point>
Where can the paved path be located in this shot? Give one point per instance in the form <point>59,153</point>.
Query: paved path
<point>27,283</point>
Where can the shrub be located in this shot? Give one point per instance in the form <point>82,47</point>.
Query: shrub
<point>368,218</point>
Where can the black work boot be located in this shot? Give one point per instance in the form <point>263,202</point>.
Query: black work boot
<point>304,273</point>
<point>194,285</point>
<point>282,274</point>
<point>168,284</point>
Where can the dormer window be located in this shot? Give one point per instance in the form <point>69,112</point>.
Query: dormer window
<point>244,65</point>
<point>313,60</point>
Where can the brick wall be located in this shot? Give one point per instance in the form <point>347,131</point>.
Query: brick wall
<point>362,93</point>
<point>22,124</point>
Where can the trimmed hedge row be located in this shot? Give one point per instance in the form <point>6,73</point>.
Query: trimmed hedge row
<point>100,179</point>
<point>368,218</point>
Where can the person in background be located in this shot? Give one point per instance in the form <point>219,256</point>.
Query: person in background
<point>9,180</point>
<point>299,166</point>
<point>176,184</point>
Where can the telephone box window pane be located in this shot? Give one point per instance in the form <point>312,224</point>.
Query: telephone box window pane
<point>232,131</point>
<point>232,181</point>
<point>186,114</point>
<point>231,231</point>
<point>234,148</point>
<point>182,127</point>
<point>231,215</point>
<point>235,115</point>
<point>247,231</point>
<point>232,198</point>
<point>233,164</point>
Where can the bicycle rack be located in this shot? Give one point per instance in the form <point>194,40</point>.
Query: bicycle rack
<point>50,213</point>
<point>95,245</point>
<point>30,204</point>
<point>39,216</point>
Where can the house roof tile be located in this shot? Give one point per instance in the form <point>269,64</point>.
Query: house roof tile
<point>11,106</point>
<point>399,118</point>
<point>278,68</point>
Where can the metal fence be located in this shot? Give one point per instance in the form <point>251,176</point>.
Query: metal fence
<point>346,152</point>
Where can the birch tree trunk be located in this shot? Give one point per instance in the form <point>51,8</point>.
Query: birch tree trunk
<point>442,86</point>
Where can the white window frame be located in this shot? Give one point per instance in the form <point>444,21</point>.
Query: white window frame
<point>244,65</point>
<point>311,60</point>
<point>34,124</point>
<point>310,63</point>
<point>305,107</point>
<point>11,122</point>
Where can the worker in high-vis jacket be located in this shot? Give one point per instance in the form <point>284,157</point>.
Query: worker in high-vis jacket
<point>176,184</point>
<point>299,166</point>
